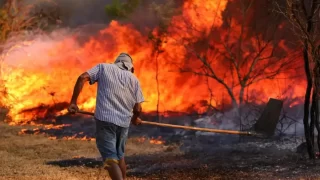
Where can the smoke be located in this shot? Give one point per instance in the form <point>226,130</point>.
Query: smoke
<point>87,18</point>
<point>26,54</point>
<point>74,13</point>
<point>290,121</point>
<point>80,19</point>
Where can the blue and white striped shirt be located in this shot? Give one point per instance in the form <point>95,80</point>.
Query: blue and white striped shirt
<point>118,91</point>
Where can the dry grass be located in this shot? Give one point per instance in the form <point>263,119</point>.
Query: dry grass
<point>37,157</point>
<point>26,156</point>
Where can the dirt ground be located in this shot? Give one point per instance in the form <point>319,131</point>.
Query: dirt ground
<point>38,157</point>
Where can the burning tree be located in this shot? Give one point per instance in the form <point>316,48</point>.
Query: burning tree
<point>237,52</point>
<point>163,13</point>
<point>304,16</point>
<point>18,18</point>
<point>159,37</point>
<point>234,50</point>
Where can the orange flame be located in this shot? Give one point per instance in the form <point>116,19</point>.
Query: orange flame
<point>36,131</point>
<point>43,72</point>
<point>141,139</point>
<point>153,140</point>
<point>157,140</point>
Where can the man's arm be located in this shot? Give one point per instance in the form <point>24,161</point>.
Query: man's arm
<point>136,113</point>
<point>92,75</point>
<point>137,109</point>
<point>84,77</point>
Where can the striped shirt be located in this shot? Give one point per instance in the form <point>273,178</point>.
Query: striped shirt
<point>118,91</point>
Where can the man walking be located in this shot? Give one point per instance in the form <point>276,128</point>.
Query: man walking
<point>118,103</point>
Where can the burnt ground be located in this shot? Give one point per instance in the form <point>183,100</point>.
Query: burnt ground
<point>238,161</point>
<point>232,164</point>
<point>185,155</point>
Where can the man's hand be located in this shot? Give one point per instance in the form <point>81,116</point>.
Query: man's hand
<point>73,108</point>
<point>136,121</point>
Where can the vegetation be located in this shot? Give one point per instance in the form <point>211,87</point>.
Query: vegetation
<point>163,14</point>
<point>16,17</point>
<point>118,9</point>
<point>25,157</point>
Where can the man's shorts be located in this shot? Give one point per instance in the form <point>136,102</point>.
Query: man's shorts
<point>110,140</point>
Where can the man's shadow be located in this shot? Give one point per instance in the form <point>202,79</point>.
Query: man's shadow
<point>136,164</point>
<point>77,162</point>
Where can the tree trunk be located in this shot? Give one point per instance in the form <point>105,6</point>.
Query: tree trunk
<point>158,88</point>
<point>317,123</point>
<point>316,101</point>
<point>309,129</point>
<point>241,95</point>
<point>312,119</point>
<point>315,119</point>
<point>307,102</point>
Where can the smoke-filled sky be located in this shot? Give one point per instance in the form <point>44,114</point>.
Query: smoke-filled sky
<point>75,13</point>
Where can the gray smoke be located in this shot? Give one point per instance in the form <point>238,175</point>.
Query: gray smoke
<point>75,13</point>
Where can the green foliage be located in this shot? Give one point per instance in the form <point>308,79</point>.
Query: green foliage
<point>119,9</point>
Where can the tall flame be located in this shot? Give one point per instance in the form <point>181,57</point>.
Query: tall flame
<point>43,71</point>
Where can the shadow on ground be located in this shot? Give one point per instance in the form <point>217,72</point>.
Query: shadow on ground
<point>82,161</point>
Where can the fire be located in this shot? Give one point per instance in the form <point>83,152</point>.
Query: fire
<point>151,140</point>
<point>157,140</point>
<point>141,139</point>
<point>42,72</point>
<point>85,138</point>
<point>41,130</point>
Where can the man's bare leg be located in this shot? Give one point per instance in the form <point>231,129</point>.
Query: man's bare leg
<point>114,171</point>
<point>123,167</point>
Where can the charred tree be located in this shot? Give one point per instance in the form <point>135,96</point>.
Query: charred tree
<point>307,126</point>
<point>315,99</point>
<point>304,18</point>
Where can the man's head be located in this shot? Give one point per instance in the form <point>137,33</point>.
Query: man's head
<point>124,61</point>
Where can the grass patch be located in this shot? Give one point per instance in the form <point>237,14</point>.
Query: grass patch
<point>27,156</point>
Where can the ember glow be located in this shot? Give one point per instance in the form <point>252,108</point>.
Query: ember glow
<point>157,140</point>
<point>42,72</point>
<point>42,131</point>
<point>151,140</point>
